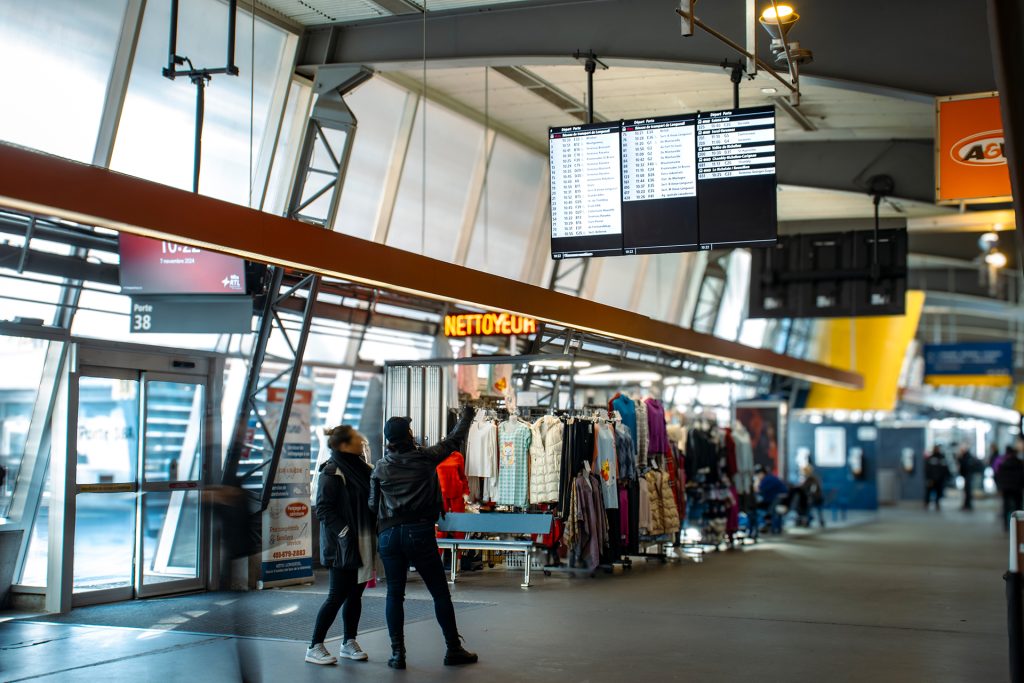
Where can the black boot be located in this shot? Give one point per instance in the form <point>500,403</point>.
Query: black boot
<point>397,660</point>
<point>457,655</point>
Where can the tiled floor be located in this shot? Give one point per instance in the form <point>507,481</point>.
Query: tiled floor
<point>913,597</point>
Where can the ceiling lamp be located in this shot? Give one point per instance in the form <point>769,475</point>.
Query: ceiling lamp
<point>996,259</point>
<point>778,20</point>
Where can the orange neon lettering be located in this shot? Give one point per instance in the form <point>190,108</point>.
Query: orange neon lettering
<point>529,326</point>
<point>506,324</point>
<point>477,327</point>
<point>450,326</point>
<point>461,327</point>
<point>487,328</point>
<point>517,324</point>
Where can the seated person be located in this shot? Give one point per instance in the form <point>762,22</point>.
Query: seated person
<point>772,494</point>
<point>808,494</point>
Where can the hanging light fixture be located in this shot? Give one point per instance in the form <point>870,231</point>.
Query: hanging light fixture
<point>778,20</point>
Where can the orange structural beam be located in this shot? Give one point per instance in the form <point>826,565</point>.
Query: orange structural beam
<point>39,183</point>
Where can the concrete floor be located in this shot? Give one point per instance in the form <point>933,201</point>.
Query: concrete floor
<point>912,597</point>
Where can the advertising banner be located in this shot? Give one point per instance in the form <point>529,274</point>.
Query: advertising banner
<point>969,364</point>
<point>765,423</point>
<point>970,163</point>
<point>287,534</point>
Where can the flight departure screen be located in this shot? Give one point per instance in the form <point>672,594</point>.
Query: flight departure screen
<point>659,184</point>
<point>664,184</point>
<point>736,177</point>
<point>586,187</point>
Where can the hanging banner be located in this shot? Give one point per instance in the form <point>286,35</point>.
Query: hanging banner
<point>969,364</point>
<point>970,158</point>
<point>287,556</point>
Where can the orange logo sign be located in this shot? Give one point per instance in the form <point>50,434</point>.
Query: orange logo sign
<point>970,161</point>
<point>981,149</point>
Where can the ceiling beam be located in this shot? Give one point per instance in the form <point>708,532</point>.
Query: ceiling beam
<point>928,60</point>
<point>47,185</point>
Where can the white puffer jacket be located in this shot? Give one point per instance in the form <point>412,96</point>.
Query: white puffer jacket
<point>545,459</point>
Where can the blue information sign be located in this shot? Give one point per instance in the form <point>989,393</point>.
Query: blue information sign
<point>985,363</point>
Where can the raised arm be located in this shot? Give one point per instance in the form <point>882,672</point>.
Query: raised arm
<point>454,441</point>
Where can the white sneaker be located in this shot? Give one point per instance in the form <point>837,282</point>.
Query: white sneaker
<point>351,650</point>
<point>318,654</point>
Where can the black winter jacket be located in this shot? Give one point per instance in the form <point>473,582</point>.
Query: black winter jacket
<point>341,507</point>
<point>404,488</point>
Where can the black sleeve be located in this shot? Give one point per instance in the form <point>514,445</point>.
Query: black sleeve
<point>454,441</point>
<point>374,500</point>
<point>332,502</point>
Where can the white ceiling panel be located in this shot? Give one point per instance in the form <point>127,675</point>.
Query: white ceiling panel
<point>313,12</point>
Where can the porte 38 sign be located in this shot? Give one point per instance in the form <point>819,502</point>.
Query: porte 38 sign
<point>970,162</point>
<point>488,324</point>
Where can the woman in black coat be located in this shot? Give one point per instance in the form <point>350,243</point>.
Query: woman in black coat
<point>348,533</point>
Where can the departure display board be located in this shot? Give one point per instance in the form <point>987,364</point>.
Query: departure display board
<point>664,184</point>
<point>586,188</point>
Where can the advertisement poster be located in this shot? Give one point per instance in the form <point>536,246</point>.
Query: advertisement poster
<point>970,153</point>
<point>830,447</point>
<point>287,534</point>
<point>969,364</point>
<point>151,266</point>
<point>764,421</point>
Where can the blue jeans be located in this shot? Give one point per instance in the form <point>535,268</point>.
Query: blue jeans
<point>415,544</point>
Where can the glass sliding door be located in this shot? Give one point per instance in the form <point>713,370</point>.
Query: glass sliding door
<point>139,522</point>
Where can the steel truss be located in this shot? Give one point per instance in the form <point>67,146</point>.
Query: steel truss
<point>255,448</point>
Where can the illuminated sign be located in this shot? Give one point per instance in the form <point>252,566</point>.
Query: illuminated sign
<point>488,324</point>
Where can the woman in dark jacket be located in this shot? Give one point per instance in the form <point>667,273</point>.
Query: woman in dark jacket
<point>347,541</point>
<point>406,496</point>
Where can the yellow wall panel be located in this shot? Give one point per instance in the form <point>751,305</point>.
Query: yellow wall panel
<point>874,347</point>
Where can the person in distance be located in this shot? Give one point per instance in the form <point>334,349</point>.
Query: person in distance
<point>406,496</point>
<point>348,547</point>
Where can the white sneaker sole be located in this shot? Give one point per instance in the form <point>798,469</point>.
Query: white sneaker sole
<point>361,657</point>
<point>323,662</point>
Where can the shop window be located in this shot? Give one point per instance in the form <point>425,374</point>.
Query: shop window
<point>503,234</point>
<point>378,108</point>
<point>57,58</point>
<point>155,135</point>
<point>454,145</point>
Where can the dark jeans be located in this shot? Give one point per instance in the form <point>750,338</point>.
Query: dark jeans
<point>415,544</point>
<point>968,492</point>
<point>346,590</point>
<point>1012,501</point>
<point>932,489</point>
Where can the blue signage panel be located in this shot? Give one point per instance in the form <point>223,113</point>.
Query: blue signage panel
<point>974,359</point>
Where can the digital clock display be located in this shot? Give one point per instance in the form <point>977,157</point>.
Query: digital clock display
<point>150,266</point>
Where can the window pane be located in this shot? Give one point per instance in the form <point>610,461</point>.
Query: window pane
<point>378,107</point>
<point>28,296</point>
<point>616,280</point>
<point>734,300</point>
<point>22,360</point>
<point>34,571</point>
<point>288,146</point>
<point>104,540</point>
<point>507,210</point>
<point>454,145</point>
<point>156,134</point>
<point>659,281</point>
<point>57,57</point>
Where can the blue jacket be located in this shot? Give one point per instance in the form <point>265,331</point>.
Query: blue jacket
<point>771,487</point>
<point>626,409</point>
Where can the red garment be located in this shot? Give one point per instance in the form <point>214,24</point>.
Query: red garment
<point>452,475</point>
<point>730,454</point>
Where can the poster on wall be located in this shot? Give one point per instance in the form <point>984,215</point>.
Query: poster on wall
<point>287,556</point>
<point>830,447</point>
<point>765,423</point>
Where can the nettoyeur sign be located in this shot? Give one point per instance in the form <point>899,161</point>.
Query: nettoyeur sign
<point>488,324</point>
